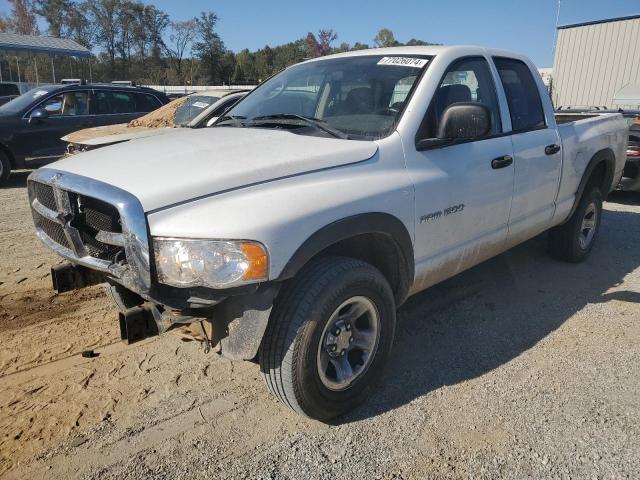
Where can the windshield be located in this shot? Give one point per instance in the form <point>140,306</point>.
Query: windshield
<point>192,107</point>
<point>356,97</point>
<point>24,101</point>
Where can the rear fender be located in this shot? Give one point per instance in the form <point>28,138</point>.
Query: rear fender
<point>607,157</point>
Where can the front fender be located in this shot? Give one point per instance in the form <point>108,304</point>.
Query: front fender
<point>285,214</point>
<point>361,224</point>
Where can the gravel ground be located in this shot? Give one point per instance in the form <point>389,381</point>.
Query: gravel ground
<point>523,367</point>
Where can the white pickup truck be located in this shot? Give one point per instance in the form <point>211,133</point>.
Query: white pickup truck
<point>294,228</point>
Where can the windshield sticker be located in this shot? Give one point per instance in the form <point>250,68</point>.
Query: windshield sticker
<point>39,93</point>
<point>404,62</point>
<point>200,104</point>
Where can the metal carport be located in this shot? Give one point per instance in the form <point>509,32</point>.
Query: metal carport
<point>52,46</point>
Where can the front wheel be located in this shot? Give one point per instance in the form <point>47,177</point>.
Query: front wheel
<point>329,337</point>
<point>574,240</point>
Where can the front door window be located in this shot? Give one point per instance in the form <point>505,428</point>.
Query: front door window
<point>67,104</point>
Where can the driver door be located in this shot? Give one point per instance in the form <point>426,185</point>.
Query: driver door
<point>462,196</point>
<point>68,112</point>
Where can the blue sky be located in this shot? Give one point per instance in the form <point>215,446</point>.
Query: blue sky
<point>523,26</point>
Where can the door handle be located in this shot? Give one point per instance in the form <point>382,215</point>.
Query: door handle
<point>501,162</point>
<point>551,149</point>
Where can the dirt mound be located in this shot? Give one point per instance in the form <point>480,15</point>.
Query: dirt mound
<point>162,117</point>
<point>85,134</point>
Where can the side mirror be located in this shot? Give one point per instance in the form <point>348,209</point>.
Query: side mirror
<point>38,114</point>
<point>465,121</point>
<point>460,121</point>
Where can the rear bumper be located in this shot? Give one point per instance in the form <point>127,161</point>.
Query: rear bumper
<point>630,180</point>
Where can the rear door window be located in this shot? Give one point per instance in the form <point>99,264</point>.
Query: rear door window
<point>113,102</point>
<point>525,106</point>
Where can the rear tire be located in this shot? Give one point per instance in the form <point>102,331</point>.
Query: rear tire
<point>574,240</point>
<point>329,337</point>
<point>5,168</point>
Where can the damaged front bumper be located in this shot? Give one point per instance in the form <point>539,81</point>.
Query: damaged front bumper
<point>102,231</point>
<point>238,319</point>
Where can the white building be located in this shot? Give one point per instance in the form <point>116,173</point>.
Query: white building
<point>597,64</point>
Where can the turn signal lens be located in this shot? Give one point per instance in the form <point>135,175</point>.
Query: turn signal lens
<point>258,261</point>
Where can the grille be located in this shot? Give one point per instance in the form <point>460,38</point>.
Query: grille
<point>93,216</point>
<point>101,250</point>
<point>96,215</point>
<point>53,230</point>
<point>88,217</point>
<point>44,194</point>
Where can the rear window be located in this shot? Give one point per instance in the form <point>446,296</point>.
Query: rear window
<point>525,106</point>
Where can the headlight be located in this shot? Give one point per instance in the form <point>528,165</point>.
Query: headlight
<point>209,263</point>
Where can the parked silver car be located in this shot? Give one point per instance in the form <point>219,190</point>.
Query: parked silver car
<point>197,110</point>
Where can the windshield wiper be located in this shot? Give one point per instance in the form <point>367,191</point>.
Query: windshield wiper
<point>230,120</point>
<point>314,122</point>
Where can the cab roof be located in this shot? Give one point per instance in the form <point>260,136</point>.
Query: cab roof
<point>430,50</point>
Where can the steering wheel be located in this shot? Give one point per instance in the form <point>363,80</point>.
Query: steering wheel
<point>387,111</point>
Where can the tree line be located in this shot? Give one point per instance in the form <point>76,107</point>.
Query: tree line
<point>132,40</point>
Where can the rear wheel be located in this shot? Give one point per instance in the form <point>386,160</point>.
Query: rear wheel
<point>574,240</point>
<point>5,168</point>
<point>329,337</point>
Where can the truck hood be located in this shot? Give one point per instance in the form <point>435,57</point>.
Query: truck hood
<point>187,164</point>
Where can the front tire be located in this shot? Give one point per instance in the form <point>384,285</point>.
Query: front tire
<point>574,240</point>
<point>329,337</point>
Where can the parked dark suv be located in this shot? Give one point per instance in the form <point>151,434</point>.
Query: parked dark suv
<point>32,124</point>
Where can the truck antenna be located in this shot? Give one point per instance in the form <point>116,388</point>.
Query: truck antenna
<point>555,35</point>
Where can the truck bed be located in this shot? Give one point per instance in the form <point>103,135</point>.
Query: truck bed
<point>582,136</point>
<point>562,118</point>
